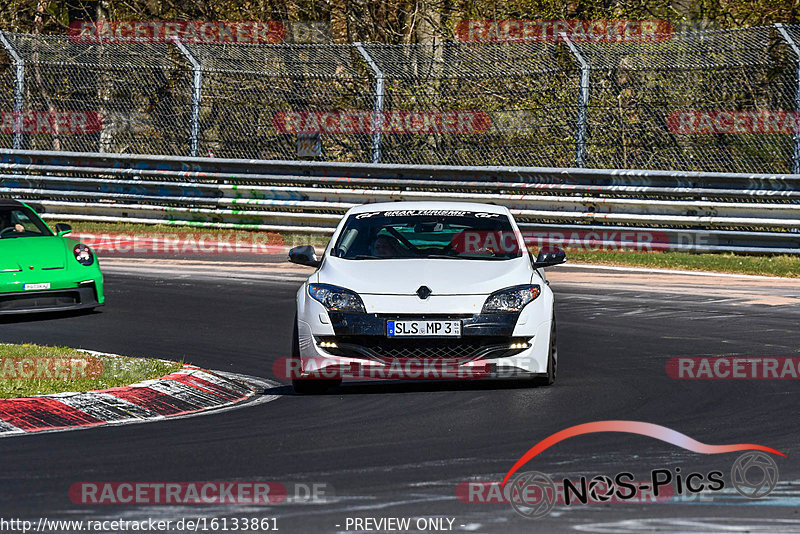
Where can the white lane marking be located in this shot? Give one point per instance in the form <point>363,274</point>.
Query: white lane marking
<point>211,271</point>
<point>232,385</point>
<point>8,428</point>
<point>144,383</point>
<point>105,407</point>
<point>189,394</point>
<point>672,271</point>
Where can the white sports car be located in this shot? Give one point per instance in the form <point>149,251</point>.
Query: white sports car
<point>424,290</point>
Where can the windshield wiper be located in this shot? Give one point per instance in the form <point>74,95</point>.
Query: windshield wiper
<point>366,257</point>
<point>465,257</point>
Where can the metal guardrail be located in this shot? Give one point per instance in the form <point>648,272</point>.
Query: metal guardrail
<point>752,213</point>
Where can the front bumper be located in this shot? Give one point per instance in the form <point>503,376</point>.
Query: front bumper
<point>82,297</point>
<point>358,348</point>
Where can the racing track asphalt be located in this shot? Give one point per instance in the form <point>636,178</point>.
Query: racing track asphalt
<point>399,450</point>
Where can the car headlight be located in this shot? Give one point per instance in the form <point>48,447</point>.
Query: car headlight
<point>511,299</point>
<point>336,298</point>
<point>83,254</point>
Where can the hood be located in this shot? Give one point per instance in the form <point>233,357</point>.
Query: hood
<point>442,276</point>
<point>38,252</point>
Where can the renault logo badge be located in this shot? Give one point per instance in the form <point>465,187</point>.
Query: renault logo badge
<point>423,292</point>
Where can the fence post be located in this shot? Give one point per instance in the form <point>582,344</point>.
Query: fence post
<point>197,87</point>
<point>793,45</point>
<point>377,123</point>
<point>19,88</point>
<point>583,103</point>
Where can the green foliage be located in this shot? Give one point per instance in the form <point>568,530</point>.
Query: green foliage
<point>389,20</point>
<point>27,370</point>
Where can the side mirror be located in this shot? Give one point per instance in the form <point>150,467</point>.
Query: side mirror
<point>550,257</point>
<point>63,229</point>
<point>304,255</point>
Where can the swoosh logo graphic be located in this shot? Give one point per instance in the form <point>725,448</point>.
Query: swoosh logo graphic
<point>633,427</point>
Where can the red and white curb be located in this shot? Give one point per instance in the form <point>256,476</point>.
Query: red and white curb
<point>188,391</point>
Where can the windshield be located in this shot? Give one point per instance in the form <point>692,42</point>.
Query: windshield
<point>428,234</point>
<point>21,222</point>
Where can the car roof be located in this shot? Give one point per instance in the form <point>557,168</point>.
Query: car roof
<point>9,202</point>
<point>430,205</point>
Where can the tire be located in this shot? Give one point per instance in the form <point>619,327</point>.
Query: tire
<point>552,360</point>
<point>307,386</point>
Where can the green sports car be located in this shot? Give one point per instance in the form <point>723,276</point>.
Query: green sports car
<point>42,271</point>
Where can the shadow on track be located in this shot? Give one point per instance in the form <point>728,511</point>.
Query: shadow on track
<point>45,316</point>
<point>395,386</point>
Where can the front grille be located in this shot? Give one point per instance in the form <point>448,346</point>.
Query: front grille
<point>385,349</point>
<point>41,300</point>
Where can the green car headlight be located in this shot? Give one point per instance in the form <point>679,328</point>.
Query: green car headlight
<point>336,298</point>
<point>83,254</point>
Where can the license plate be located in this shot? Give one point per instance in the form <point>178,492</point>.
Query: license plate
<point>424,328</point>
<point>35,287</point>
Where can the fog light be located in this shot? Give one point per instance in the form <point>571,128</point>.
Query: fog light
<point>327,344</point>
<point>519,345</point>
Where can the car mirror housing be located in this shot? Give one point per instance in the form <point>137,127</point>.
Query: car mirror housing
<point>63,229</point>
<point>304,255</point>
<point>550,257</point>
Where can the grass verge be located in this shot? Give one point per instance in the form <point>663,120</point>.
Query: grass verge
<point>27,370</point>
<point>783,266</point>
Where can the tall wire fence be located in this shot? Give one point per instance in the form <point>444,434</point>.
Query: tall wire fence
<point>708,101</point>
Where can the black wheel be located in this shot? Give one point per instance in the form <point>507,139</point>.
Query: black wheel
<point>552,360</point>
<point>307,386</point>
